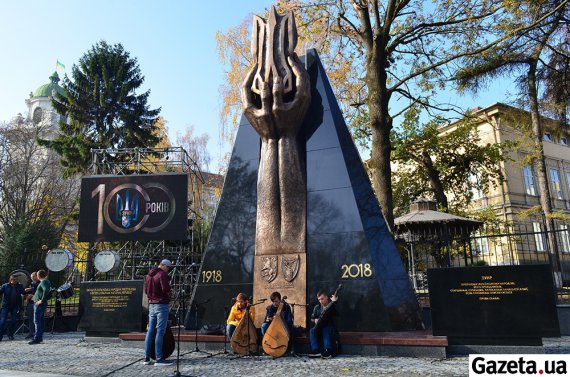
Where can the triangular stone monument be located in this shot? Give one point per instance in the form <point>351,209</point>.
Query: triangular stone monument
<point>348,241</point>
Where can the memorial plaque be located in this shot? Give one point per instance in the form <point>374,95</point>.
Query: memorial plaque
<point>111,306</point>
<point>494,303</point>
<point>134,207</point>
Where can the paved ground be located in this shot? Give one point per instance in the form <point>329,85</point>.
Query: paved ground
<point>68,354</point>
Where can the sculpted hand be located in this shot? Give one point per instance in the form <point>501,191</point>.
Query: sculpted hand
<point>260,118</point>
<point>277,118</point>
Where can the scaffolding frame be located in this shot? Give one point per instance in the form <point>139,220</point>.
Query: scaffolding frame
<point>136,257</point>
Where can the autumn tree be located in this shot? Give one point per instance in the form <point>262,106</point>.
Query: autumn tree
<point>35,200</point>
<point>392,55</point>
<point>101,109</point>
<point>442,160</point>
<point>525,57</point>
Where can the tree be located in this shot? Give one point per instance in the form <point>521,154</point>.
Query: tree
<point>35,200</point>
<point>196,147</point>
<point>406,49</point>
<point>523,56</point>
<point>101,109</point>
<point>439,164</point>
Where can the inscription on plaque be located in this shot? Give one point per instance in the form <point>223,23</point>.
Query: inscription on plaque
<point>111,306</point>
<point>498,303</point>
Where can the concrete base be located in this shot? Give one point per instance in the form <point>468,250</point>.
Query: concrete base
<point>462,350</point>
<point>564,319</point>
<point>399,344</point>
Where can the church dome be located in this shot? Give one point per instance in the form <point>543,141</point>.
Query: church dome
<point>46,90</point>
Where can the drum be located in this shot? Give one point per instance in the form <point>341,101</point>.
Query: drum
<point>23,276</point>
<point>59,259</point>
<point>66,291</point>
<point>107,260</point>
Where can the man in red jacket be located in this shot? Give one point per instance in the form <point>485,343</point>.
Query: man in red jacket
<point>157,288</point>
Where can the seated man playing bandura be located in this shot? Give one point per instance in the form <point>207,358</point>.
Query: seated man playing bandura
<point>237,312</point>
<point>272,310</point>
<point>328,330</point>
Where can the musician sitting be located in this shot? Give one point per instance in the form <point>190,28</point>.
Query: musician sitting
<point>272,309</point>
<point>237,312</point>
<point>327,332</point>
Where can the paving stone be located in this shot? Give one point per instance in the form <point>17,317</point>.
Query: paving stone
<point>70,354</point>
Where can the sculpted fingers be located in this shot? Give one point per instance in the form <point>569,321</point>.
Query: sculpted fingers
<point>303,81</point>
<point>277,93</point>
<point>265,97</point>
<point>246,93</point>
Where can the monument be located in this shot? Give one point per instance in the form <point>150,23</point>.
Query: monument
<point>297,211</point>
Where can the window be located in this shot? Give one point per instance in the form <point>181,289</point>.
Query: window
<point>568,183</point>
<point>475,190</point>
<point>538,237</point>
<point>565,238</point>
<point>529,185</point>
<point>556,185</point>
<point>563,141</point>
<point>480,244</point>
<point>547,136</point>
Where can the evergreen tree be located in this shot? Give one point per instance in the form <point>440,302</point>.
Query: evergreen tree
<point>101,109</point>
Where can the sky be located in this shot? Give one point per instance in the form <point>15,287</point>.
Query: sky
<point>173,41</point>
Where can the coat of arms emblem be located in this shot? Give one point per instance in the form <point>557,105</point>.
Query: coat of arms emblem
<point>269,269</point>
<point>290,267</point>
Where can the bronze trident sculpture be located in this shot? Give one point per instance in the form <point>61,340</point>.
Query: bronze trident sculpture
<point>275,97</point>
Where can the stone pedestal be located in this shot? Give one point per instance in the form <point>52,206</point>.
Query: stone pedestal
<point>286,274</point>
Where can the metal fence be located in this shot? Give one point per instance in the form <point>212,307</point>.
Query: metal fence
<point>514,244</point>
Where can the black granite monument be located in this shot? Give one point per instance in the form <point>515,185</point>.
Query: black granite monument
<point>347,242</point>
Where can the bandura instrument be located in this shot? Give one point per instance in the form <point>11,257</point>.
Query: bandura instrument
<point>168,344</point>
<point>244,339</point>
<point>325,314</point>
<point>276,338</point>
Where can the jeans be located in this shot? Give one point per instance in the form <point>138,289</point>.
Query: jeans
<point>157,321</point>
<point>30,315</point>
<point>230,331</point>
<point>39,312</point>
<point>13,316</point>
<point>327,333</point>
<point>264,327</point>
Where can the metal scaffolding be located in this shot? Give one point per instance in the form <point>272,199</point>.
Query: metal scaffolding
<point>136,257</point>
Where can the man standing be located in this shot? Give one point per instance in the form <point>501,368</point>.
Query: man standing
<point>30,304</point>
<point>327,330</point>
<point>11,302</point>
<point>157,288</point>
<point>40,304</point>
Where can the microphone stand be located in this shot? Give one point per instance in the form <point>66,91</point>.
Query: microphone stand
<point>225,352</point>
<point>196,306</point>
<point>177,372</point>
<point>292,338</point>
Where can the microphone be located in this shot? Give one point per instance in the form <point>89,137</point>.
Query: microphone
<point>262,300</point>
<point>284,298</point>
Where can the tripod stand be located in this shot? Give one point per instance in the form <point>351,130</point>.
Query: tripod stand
<point>292,338</point>
<point>196,306</point>
<point>225,352</point>
<point>23,326</point>
<point>177,372</point>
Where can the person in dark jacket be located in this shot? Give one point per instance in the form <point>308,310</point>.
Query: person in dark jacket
<point>30,291</point>
<point>157,288</point>
<point>11,303</point>
<point>272,310</point>
<point>327,332</point>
